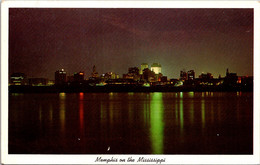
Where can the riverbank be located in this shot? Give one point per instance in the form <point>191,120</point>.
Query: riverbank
<point>126,88</point>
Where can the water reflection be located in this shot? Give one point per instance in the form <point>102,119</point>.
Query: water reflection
<point>81,110</point>
<point>146,107</point>
<point>181,113</point>
<point>192,111</point>
<point>131,123</point>
<point>203,112</point>
<point>62,97</point>
<point>176,113</point>
<point>157,124</point>
<point>191,94</point>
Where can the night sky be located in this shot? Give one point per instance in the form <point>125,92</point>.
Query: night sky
<point>42,41</point>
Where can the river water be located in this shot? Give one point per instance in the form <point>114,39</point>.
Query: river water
<point>131,123</point>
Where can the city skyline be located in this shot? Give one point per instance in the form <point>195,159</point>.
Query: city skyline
<point>42,41</point>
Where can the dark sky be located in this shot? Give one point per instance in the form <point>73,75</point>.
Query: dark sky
<point>205,40</point>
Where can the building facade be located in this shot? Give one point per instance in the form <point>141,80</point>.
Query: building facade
<point>60,77</point>
<point>191,75</point>
<point>156,68</point>
<point>143,66</point>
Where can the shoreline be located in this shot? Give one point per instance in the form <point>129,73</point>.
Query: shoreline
<point>128,88</point>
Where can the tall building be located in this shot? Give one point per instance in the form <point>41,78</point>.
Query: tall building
<point>191,75</point>
<point>60,77</point>
<point>156,68</point>
<point>183,75</point>
<point>143,66</point>
<point>110,75</point>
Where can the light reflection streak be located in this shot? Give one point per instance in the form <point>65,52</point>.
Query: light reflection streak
<point>192,111</point>
<point>176,113</point>
<point>181,95</point>
<point>81,110</point>
<point>191,94</point>
<point>146,110</point>
<point>203,112</point>
<point>181,114</point>
<point>157,124</point>
<point>111,108</point>
<point>62,111</point>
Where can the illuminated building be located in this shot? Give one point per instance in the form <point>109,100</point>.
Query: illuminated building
<point>110,75</point>
<point>78,77</point>
<point>191,75</point>
<point>133,73</point>
<point>50,82</point>
<point>183,75</point>
<point>38,81</point>
<point>206,79</point>
<point>156,68</point>
<point>143,66</point>
<point>18,79</point>
<point>60,77</point>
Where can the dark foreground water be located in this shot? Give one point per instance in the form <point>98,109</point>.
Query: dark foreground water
<point>131,123</point>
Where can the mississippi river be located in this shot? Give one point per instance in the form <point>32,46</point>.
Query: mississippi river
<point>131,123</point>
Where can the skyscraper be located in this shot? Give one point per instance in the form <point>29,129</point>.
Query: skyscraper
<point>143,66</point>
<point>183,75</point>
<point>156,68</point>
<point>60,77</point>
<point>191,75</point>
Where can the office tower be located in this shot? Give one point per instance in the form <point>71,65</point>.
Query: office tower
<point>191,75</point>
<point>60,77</point>
<point>143,66</point>
<point>156,68</point>
<point>183,75</point>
